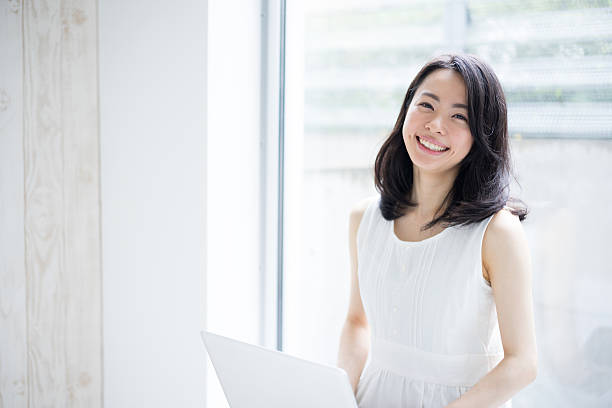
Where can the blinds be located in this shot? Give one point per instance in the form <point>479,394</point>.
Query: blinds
<point>553,58</point>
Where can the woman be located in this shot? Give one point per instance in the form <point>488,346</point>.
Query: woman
<point>440,295</point>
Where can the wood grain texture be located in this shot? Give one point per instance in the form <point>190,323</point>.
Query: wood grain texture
<point>62,222</point>
<point>13,339</point>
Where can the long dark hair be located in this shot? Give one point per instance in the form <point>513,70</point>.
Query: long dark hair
<point>482,184</point>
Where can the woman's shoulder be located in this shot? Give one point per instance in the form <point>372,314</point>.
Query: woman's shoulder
<point>503,224</point>
<point>503,237</point>
<point>358,209</point>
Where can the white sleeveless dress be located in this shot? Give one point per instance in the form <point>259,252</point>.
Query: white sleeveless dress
<point>432,315</point>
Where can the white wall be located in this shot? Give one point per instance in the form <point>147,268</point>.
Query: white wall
<point>152,110</point>
<point>233,162</point>
<point>233,184</point>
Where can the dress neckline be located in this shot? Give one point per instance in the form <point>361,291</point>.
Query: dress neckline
<point>416,243</point>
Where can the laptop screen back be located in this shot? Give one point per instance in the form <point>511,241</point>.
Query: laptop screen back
<point>255,377</point>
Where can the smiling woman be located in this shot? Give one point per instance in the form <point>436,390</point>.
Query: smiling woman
<point>453,102</point>
<point>441,275</point>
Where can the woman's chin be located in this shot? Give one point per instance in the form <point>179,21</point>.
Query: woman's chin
<point>431,166</point>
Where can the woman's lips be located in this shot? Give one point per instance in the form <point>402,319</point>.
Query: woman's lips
<point>427,150</point>
<point>431,140</point>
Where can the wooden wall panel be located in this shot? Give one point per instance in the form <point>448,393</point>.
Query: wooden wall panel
<point>13,340</point>
<point>62,222</point>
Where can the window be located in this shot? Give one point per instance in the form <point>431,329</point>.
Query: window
<point>351,63</point>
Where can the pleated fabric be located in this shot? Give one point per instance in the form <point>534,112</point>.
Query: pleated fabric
<point>432,314</point>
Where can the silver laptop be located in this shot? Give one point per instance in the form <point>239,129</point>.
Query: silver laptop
<point>255,377</point>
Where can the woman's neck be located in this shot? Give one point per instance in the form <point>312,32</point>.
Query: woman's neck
<point>429,191</point>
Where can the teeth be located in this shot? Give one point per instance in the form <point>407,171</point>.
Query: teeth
<point>431,146</point>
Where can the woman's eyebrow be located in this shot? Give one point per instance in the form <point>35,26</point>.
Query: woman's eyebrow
<point>434,96</point>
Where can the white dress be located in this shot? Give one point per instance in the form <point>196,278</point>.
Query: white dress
<point>432,315</point>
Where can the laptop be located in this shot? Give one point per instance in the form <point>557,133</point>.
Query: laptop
<point>255,377</point>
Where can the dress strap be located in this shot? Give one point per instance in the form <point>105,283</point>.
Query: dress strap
<point>368,220</point>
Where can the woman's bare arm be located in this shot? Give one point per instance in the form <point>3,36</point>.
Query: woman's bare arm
<point>507,261</point>
<point>355,338</point>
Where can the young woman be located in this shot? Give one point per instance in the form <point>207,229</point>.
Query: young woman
<point>440,296</point>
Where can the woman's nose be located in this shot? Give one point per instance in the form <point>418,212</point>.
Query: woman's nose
<point>435,125</point>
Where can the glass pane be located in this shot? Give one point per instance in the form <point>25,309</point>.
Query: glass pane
<point>554,59</point>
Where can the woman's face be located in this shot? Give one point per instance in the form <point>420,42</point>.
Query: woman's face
<point>436,130</point>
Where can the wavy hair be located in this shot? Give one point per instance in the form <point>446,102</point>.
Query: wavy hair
<point>481,187</point>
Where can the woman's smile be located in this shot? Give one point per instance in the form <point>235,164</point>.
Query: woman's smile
<point>430,146</point>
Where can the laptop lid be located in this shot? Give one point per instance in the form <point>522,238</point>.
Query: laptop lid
<point>255,377</point>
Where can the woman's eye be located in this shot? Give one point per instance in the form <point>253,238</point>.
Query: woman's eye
<point>426,105</point>
<point>461,117</point>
